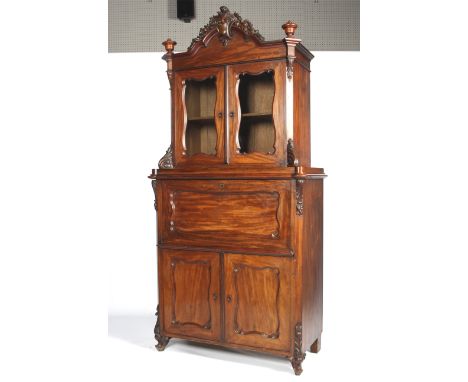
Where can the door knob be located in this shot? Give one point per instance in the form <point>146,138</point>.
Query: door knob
<point>215,296</point>
<point>220,115</point>
<point>231,114</point>
<point>229,298</point>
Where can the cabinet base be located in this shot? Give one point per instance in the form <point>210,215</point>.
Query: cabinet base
<point>296,364</point>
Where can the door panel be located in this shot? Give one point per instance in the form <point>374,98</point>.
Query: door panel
<point>256,113</point>
<point>190,291</point>
<point>227,215</point>
<point>258,301</point>
<point>199,116</point>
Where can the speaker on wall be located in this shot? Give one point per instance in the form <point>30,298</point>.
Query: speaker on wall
<point>186,10</point>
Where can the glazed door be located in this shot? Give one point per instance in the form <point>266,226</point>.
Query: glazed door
<point>258,301</point>
<point>256,113</point>
<point>199,116</point>
<point>190,291</point>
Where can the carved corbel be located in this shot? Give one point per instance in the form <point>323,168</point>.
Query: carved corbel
<point>299,197</point>
<point>290,28</point>
<point>154,185</point>
<point>298,355</point>
<point>167,160</point>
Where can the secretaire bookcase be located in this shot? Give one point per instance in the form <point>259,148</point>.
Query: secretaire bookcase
<point>239,209</point>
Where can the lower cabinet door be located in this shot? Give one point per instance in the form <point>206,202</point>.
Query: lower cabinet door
<point>258,301</point>
<point>191,288</point>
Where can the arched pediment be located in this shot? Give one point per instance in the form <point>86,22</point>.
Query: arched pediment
<point>227,38</point>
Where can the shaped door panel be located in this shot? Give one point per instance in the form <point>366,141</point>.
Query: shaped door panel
<point>191,293</point>
<point>258,301</point>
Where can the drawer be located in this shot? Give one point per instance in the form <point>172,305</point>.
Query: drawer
<point>226,214</point>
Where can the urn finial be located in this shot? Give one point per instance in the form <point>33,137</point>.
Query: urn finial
<point>289,28</point>
<point>169,45</point>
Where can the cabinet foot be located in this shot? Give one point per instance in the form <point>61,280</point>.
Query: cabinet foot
<point>298,355</point>
<point>297,364</point>
<point>162,340</point>
<point>315,347</point>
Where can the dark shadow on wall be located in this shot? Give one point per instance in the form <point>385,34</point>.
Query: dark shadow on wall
<point>172,9</point>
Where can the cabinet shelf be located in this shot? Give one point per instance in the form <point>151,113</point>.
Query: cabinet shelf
<point>257,115</point>
<point>200,119</point>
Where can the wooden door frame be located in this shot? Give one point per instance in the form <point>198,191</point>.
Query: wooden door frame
<point>180,122</point>
<point>279,108</point>
<point>211,330</point>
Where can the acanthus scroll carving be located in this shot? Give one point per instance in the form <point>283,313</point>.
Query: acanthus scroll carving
<point>290,68</point>
<point>154,185</point>
<point>167,160</point>
<point>299,197</point>
<point>223,22</point>
<point>298,355</point>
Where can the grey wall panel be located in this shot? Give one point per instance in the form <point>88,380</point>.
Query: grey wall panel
<point>141,25</point>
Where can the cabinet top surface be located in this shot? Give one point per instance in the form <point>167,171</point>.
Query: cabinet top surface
<point>252,172</point>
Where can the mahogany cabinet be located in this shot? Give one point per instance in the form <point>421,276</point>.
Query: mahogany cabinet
<point>239,209</point>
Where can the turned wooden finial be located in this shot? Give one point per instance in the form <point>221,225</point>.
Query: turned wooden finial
<point>289,28</point>
<point>169,45</point>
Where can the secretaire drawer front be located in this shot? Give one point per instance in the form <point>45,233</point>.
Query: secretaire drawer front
<point>250,215</point>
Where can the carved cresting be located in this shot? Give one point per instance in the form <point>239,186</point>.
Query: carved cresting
<point>167,160</point>
<point>298,355</point>
<point>223,23</point>
<point>162,340</point>
<point>299,197</point>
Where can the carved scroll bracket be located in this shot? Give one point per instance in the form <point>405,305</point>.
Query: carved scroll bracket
<point>299,197</point>
<point>298,355</point>
<point>167,161</point>
<point>154,185</point>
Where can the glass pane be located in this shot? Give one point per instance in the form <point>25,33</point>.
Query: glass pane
<point>200,133</point>
<point>257,131</point>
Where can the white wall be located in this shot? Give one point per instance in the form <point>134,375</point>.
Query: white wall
<point>395,209</point>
